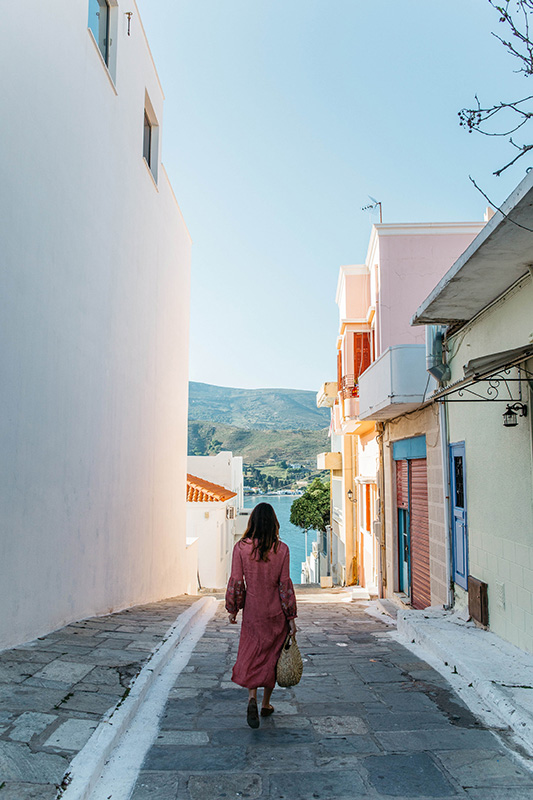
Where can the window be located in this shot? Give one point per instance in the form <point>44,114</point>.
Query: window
<point>147,140</point>
<point>150,138</point>
<point>99,19</point>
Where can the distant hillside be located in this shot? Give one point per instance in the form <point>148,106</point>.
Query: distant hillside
<point>257,446</point>
<point>257,409</point>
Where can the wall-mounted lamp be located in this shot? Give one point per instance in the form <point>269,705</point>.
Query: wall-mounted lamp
<point>510,415</point>
<point>350,496</point>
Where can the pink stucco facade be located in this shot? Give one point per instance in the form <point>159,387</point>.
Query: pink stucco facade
<point>409,264</point>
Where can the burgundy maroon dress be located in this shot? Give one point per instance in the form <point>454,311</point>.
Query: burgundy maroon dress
<point>264,590</point>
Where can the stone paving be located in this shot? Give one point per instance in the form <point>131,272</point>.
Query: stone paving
<point>369,720</point>
<point>55,690</point>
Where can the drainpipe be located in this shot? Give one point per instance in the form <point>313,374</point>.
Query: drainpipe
<point>443,420</point>
<point>437,366</point>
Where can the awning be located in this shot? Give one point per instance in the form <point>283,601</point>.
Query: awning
<point>485,366</point>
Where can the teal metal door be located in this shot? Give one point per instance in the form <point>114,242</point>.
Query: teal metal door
<point>402,503</point>
<point>403,555</point>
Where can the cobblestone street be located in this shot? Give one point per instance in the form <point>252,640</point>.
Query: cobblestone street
<point>369,720</point>
<point>55,690</point>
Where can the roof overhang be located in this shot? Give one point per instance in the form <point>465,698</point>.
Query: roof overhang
<point>499,256</point>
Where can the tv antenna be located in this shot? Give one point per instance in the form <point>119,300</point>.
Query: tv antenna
<point>371,206</point>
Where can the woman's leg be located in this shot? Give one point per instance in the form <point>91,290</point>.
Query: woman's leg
<point>252,714</point>
<point>267,694</point>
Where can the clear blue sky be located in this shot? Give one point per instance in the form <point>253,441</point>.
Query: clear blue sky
<point>281,117</point>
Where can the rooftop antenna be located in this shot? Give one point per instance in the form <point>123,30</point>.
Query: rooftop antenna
<point>374,204</point>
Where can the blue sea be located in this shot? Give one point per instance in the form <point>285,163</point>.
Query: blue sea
<point>292,536</point>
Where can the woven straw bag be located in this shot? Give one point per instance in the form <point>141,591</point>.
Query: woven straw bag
<point>290,666</point>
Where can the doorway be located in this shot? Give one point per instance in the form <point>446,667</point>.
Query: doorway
<point>458,515</point>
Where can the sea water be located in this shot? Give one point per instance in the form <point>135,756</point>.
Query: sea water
<point>292,536</point>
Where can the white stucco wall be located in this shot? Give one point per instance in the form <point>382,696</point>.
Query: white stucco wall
<point>94,308</point>
<point>207,522</point>
<point>499,486</point>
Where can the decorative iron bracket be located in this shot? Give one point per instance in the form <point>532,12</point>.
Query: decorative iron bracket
<point>501,387</point>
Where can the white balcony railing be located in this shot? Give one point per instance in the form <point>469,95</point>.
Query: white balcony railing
<point>395,383</point>
<point>329,461</point>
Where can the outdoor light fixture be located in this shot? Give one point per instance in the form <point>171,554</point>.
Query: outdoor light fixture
<point>350,496</point>
<point>510,415</point>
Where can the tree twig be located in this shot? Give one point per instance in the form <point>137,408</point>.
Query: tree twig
<point>487,198</point>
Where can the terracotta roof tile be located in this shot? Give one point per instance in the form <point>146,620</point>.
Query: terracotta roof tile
<point>202,491</point>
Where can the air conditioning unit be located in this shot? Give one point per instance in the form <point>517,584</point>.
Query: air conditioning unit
<point>231,512</point>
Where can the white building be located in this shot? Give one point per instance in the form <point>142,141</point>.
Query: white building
<point>214,518</point>
<point>224,468</point>
<point>94,313</point>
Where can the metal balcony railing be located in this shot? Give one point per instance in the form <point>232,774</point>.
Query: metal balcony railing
<point>350,386</point>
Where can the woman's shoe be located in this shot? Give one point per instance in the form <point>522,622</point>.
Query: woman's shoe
<point>252,715</point>
<point>267,711</point>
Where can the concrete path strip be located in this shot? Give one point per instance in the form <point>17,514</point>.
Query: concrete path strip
<point>498,672</point>
<point>89,770</point>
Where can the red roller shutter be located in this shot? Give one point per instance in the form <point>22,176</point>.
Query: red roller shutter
<point>420,581</point>
<point>402,484</point>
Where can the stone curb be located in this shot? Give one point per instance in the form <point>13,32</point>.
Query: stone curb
<point>478,657</point>
<point>86,767</point>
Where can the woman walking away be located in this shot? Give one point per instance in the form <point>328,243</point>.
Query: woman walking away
<point>260,584</point>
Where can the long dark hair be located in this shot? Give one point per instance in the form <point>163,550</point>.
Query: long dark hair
<point>263,530</point>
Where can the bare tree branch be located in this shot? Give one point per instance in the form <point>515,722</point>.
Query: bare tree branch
<point>517,15</point>
<point>487,198</point>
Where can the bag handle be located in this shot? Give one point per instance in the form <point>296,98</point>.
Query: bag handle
<point>288,640</point>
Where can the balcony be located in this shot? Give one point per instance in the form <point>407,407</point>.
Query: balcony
<point>349,393</point>
<point>327,395</point>
<point>393,384</point>
<point>329,461</point>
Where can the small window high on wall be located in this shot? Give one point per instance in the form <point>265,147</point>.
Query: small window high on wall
<point>150,138</point>
<point>103,22</point>
<point>99,23</point>
<point>147,140</point>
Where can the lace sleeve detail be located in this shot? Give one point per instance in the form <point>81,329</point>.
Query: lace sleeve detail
<point>235,595</point>
<point>286,589</point>
<point>288,599</point>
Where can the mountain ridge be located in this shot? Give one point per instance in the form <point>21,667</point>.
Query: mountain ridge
<point>257,446</point>
<point>256,409</point>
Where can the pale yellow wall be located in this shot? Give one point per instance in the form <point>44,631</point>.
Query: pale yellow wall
<point>367,467</point>
<point>498,471</point>
<point>424,422</point>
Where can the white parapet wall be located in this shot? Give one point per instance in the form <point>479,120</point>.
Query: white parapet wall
<point>94,314</point>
